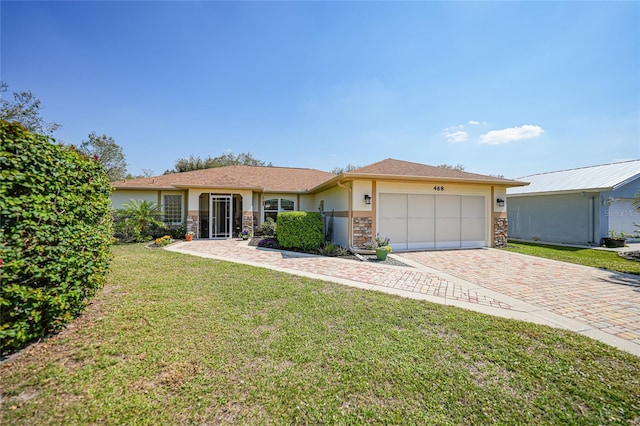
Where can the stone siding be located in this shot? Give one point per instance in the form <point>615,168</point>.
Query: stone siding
<point>501,226</point>
<point>362,231</point>
<point>247,222</point>
<point>192,224</point>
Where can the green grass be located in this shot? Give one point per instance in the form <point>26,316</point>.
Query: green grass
<point>175,339</point>
<point>581,256</point>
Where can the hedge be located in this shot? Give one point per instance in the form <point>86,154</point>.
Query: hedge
<point>55,234</point>
<point>300,230</point>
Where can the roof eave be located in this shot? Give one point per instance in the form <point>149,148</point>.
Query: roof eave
<point>501,182</point>
<point>220,187</point>
<point>145,188</point>
<point>626,181</point>
<point>561,192</point>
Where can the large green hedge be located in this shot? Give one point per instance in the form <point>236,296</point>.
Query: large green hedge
<point>300,230</point>
<point>55,234</point>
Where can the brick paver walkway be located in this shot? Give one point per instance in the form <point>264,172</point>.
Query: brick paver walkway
<point>604,300</point>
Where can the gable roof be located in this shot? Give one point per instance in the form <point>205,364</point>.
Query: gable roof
<point>398,169</point>
<point>271,179</point>
<point>604,177</point>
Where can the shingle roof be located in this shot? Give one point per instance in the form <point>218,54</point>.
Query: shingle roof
<point>287,179</point>
<point>603,177</point>
<point>272,179</point>
<point>397,168</point>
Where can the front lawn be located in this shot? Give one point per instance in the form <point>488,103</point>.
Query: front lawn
<point>175,339</point>
<point>582,256</point>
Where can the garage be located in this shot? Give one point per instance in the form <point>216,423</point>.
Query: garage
<point>429,221</point>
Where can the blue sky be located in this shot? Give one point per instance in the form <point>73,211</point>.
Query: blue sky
<point>510,88</point>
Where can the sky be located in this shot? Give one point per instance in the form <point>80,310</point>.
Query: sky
<point>502,88</point>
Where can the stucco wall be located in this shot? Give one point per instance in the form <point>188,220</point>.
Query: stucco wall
<point>560,218</point>
<point>360,189</point>
<point>308,203</point>
<point>334,199</point>
<point>122,196</point>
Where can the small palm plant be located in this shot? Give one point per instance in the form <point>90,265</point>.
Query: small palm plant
<point>138,216</point>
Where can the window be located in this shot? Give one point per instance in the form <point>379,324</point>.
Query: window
<point>173,209</point>
<point>274,205</point>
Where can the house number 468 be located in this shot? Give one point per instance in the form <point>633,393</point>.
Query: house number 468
<point>438,188</point>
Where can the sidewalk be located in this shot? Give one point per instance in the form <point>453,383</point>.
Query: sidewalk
<point>417,281</point>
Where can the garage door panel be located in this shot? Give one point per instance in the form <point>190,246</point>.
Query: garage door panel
<point>473,221</point>
<point>393,219</point>
<point>421,221</point>
<point>448,221</point>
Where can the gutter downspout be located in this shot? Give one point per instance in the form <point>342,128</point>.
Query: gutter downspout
<point>352,249</point>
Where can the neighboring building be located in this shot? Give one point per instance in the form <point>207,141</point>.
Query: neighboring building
<point>417,206</point>
<point>577,206</point>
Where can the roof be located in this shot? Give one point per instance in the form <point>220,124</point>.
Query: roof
<point>287,179</point>
<point>604,177</point>
<point>272,179</point>
<point>397,169</point>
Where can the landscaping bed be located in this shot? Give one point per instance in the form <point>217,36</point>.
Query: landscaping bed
<point>346,255</point>
<point>630,255</point>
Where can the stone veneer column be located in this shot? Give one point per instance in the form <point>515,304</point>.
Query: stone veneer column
<point>193,222</point>
<point>362,231</point>
<point>247,221</point>
<point>500,228</point>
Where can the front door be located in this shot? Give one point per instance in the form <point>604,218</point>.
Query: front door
<point>220,216</point>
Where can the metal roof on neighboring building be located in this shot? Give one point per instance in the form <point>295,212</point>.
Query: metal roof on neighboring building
<point>603,177</point>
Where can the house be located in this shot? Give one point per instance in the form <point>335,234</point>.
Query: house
<point>417,206</point>
<point>577,206</point>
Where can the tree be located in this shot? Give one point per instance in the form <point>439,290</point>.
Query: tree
<point>458,167</point>
<point>25,109</point>
<point>346,169</point>
<point>107,152</point>
<point>145,174</point>
<point>197,163</point>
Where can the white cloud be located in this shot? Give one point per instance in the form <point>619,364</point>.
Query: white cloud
<point>473,122</point>
<point>454,136</point>
<point>511,134</point>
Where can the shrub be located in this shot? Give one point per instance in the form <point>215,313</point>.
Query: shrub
<point>55,233</point>
<point>269,227</point>
<point>300,230</point>
<point>164,241</point>
<point>139,220</point>
<point>269,243</point>
<point>178,233</point>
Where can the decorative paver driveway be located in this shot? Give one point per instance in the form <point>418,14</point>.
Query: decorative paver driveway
<point>604,300</point>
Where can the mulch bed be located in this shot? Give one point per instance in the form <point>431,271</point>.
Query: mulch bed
<point>369,257</point>
<point>630,255</point>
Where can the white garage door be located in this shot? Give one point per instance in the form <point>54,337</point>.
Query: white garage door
<point>419,221</point>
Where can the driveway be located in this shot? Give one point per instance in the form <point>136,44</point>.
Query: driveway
<point>590,301</point>
<point>603,301</point>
